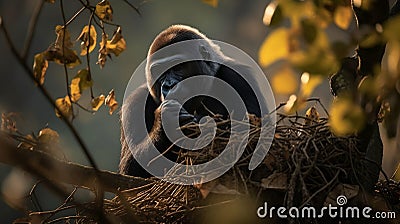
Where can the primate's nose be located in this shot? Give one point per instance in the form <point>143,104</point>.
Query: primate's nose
<point>167,85</point>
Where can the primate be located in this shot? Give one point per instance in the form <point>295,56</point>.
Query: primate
<point>153,95</point>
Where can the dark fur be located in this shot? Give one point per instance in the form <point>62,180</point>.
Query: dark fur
<point>128,165</point>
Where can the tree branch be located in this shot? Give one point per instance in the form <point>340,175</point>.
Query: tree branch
<point>46,94</point>
<point>31,29</point>
<point>52,169</point>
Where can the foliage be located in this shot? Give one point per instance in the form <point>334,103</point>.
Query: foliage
<point>302,43</point>
<point>62,52</point>
<point>306,160</point>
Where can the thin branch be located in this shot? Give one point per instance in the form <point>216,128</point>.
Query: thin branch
<point>84,108</point>
<point>60,207</point>
<point>46,94</point>
<point>67,218</point>
<point>133,7</point>
<point>63,55</point>
<point>75,15</point>
<point>31,29</point>
<point>88,55</point>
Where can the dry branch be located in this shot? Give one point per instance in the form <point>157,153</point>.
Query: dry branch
<point>52,169</point>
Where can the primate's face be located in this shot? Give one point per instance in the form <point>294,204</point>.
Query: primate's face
<point>171,84</point>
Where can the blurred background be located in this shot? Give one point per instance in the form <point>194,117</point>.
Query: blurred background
<point>235,22</point>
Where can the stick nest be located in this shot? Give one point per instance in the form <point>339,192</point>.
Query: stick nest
<point>305,160</point>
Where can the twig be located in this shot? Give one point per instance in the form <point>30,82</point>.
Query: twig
<point>74,16</point>
<point>133,7</point>
<point>63,56</point>
<point>321,189</point>
<point>46,94</point>
<point>88,55</point>
<point>70,217</point>
<point>31,30</point>
<point>60,207</point>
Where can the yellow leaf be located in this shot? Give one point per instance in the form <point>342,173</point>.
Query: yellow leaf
<point>97,102</point>
<point>312,115</point>
<point>117,43</point>
<point>343,16</point>
<point>275,47</point>
<point>88,38</point>
<point>29,142</point>
<point>104,10</point>
<point>79,83</point>
<point>315,61</point>
<point>391,29</point>
<point>68,57</point>
<point>48,136</point>
<point>60,51</point>
<point>308,83</point>
<point>111,102</point>
<point>86,82</point>
<point>294,104</point>
<point>102,58</point>
<point>49,142</point>
<point>65,107</point>
<point>285,81</point>
<point>63,35</point>
<point>297,11</point>
<point>40,65</point>
<point>345,117</point>
<point>75,90</point>
<point>213,3</point>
